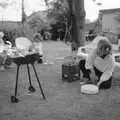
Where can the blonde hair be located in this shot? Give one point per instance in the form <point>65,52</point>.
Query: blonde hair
<point>104,48</point>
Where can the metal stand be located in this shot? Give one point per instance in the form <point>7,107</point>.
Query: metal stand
<point>38,82</point>
<point>14,99</point>
<point>31,88</point>
<point>19,62</point>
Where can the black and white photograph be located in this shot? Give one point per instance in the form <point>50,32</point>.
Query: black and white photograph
<point>59,59</point>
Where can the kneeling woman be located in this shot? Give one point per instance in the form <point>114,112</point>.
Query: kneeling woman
<point>99,66</point>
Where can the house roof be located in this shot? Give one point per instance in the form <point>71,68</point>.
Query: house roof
<point>110,11</point>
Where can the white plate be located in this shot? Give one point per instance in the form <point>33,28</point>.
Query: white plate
<point>89,89</point>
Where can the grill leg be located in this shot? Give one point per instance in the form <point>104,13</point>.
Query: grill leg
<point>31,88</point>
<point>14,99</point>
<point>38,81</point>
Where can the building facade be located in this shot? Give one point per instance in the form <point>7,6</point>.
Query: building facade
<point>111,20</point>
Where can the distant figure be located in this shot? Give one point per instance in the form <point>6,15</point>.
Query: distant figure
<point>38,45</point>
<point>119,42</point>
<point>3,53</point>
<point>1,38</point>
<point>91,35</point>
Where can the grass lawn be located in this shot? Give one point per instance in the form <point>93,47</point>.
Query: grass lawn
<point>64,100</point>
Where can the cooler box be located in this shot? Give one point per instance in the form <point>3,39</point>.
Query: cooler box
<point>70,72</point>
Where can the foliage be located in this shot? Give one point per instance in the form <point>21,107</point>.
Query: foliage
<point>35,23</point>
<point>55,20</point>
<point>59,10</point>
<point>38,21</point>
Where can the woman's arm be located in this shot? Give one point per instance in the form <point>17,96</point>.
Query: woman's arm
<point>89,65</point>
<point>90,60</point>
<point>108,71</point>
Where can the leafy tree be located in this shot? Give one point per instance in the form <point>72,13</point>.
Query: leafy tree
<point>74,17</point>
<point>58,9</point>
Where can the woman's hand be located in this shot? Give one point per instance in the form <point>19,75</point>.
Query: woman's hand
<point>98,84</point>
<point>93,77</point>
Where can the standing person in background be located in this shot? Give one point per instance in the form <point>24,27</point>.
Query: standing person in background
<point>37,41</point>
<point>3,53</point>
<point>118,37</point>
<point>1,38</point>
<point>99,66</point>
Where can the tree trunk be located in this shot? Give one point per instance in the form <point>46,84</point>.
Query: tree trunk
<point>23,18</point>
<point>80,20</point>
<point>77,18</point>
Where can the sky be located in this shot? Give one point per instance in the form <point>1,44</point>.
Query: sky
<point>13,12</point>
<point>92,9</point>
